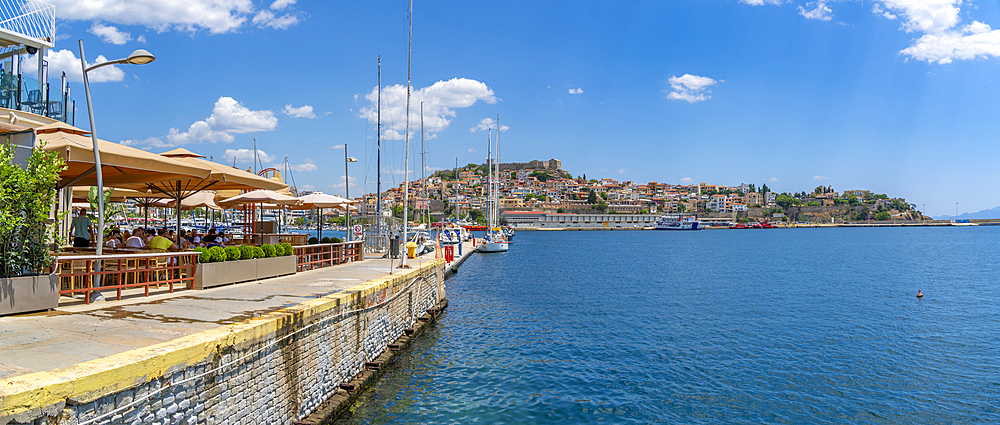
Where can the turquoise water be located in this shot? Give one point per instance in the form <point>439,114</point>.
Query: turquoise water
<point>716,326</point>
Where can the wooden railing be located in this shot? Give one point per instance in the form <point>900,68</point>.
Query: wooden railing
<point>79,273</point>
<point>327,254</point>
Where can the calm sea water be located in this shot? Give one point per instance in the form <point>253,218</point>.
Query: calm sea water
<point>716,326</point>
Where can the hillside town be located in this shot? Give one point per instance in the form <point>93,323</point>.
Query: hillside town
<point>544,187</point>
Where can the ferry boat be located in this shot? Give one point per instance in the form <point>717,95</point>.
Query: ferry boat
<point>677,222</point>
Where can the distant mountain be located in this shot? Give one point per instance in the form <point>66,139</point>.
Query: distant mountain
<point>990,213</point>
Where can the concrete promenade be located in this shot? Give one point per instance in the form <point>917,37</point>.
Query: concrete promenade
<point>79,333</point>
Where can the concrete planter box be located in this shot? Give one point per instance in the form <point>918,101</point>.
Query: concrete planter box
<point>28,293</point>
<point>207,275</point>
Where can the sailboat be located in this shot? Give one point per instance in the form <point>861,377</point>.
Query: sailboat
<point>494,240</point>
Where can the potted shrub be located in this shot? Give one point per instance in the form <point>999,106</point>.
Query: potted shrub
<point>27,195</point>
<point>243,263</point>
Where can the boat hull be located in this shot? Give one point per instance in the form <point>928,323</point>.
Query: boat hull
<point>669,222</point>
<point>493,247</point>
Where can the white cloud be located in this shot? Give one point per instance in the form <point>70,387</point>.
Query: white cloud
<point>304,111</point>
<point>244,156</point>
<point>974,40</point>
<point>943,39</point>
<point>339,182</point>
<point>265,18</point>
<point>486,124</point>
<point>308,187</point>
<point>821,178</point>
<point>337,147</point>
<point>820,11</point>
<point>440,101</point>
<point>576,91</point>
<point>760,2</point>
<point>228,116</point>
<point>306,166</point>
<point>147,143</point>
<point>772,179</point>
<point>472,150</point>
<point>66,61</point>
<point>215,16</point>
<point>687,180</point>
<point>927,16</point>
<point>691,88</point>
<point>110,34</point>
<point>281,4</point>
<point>622,170</point>
<point>876,9</point>
<point>141,39</point>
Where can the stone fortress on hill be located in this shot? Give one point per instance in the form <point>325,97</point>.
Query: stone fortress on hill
<point>552,164</point>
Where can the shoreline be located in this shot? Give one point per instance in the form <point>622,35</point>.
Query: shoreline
<point>793,226</point>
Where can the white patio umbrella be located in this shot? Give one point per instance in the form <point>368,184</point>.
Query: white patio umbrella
<point>320,200</point>
<point>260,197</point>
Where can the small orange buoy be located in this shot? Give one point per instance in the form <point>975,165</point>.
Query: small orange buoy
<point>920,294</point>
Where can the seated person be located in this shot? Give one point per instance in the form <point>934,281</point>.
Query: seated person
<point>137,240</point>
<point>222,238</point>
<point>210,238</point>
<point>161,242</point>
<point>114,240</point>
<point>184,240</point>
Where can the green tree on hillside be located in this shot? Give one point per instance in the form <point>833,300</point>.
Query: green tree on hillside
<point>882,216</point>
<point>591,197</point>
<point>542,176</point>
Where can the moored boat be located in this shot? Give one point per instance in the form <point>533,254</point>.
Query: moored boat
<point>677,222</point>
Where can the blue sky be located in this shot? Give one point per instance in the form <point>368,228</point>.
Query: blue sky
<point>894,96</point>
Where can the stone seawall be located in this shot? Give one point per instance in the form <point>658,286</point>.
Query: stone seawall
<point>275,369</point>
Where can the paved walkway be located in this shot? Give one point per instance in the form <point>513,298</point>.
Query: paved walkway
<point>79,333</point>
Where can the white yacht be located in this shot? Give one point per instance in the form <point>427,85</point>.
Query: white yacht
<point>677,222</point>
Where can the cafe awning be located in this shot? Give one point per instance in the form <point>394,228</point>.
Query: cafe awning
<point>260,197</point>
<point>226,177</point>
<point>122,166</point>
<point>203,199</point>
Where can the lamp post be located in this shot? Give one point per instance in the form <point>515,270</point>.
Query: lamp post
<point>347,189</point>
<point>138,57</point>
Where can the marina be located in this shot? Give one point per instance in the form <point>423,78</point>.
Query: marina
<point>192,234</point>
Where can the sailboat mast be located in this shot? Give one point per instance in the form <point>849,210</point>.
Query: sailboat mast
<point>406,156</point>
<point>489,181</point>
<point>378,161</point>
<point>496,207</point>
<point>423,166</point>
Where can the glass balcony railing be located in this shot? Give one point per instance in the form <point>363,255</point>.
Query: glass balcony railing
<point>24,94</point>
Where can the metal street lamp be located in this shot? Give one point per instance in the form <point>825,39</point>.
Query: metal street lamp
<point>138,57</point>
<point>347,189</point>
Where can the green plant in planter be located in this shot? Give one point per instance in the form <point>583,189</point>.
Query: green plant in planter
<point>336,240</point>
<point>286,249</point>
<point>204,257</point>
<point>325,240</point>
<point>246,252</point>
<point>313,240</point>
<point>269,250</point>
<point>258,252</point>
<point>217,254</point>
<point>27,194</point>
<point>233,253</point>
